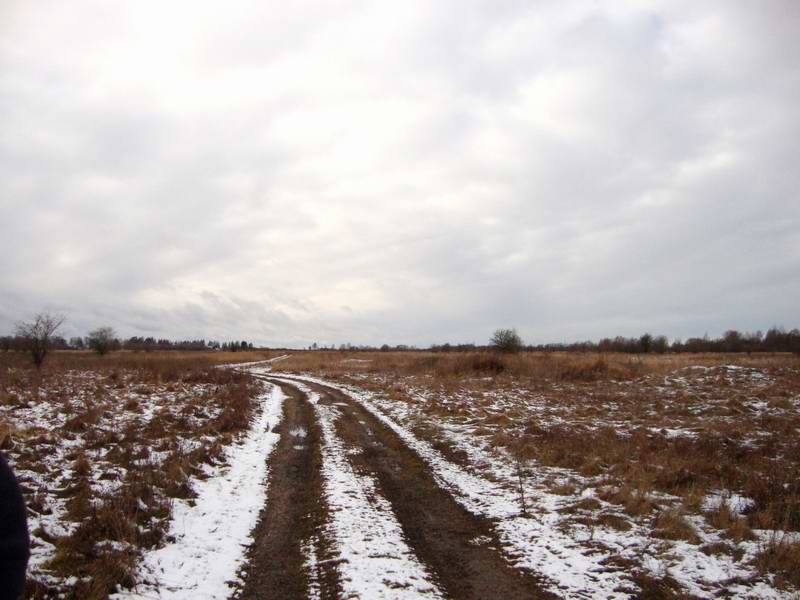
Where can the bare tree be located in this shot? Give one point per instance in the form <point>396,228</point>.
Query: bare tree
<point>37,335</point>
<point>102,340</point>
<point>506,340</point>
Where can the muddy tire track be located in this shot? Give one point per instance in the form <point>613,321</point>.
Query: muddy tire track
<point>460,548</point>
<point>291,526</point>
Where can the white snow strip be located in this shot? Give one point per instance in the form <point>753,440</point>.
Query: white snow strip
<point>256,363</point>
<point>311,562</point>
<point>212,533</point>
<point>375,562</point>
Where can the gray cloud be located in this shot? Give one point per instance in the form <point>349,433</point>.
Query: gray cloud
<point>405,172</point>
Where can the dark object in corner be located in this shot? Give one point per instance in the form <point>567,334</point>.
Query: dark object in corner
<point>14,539</point>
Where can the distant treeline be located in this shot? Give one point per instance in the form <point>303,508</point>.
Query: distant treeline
<point>135,343</point>
<point>776,339</point>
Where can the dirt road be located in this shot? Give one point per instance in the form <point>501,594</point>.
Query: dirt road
<point>292,521</point>
<point>297,553</point>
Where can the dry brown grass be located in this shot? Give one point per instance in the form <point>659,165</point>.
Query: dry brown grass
<point>156,367</point>
<point>553,366</point>
<point>734,525</point>
<point>100,402</point>
<point>758,456</point>
<point>781,555</point>
<point>654,434</point>
<point>671,524</point>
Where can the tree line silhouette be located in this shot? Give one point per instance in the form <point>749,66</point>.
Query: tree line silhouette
<point>777,339</point>
<point>135,343</point>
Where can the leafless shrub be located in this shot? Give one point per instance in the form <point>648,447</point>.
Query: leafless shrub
<point>522,453</point>
<point>506,341</point>
<point>37,335</point>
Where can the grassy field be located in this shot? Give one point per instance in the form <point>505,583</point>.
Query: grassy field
<point>671,468</point>
<point>103,445</point>
<point>699,452</point>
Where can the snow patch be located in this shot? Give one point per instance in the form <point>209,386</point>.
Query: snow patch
<point>211,533</point>
<point>298,432</point>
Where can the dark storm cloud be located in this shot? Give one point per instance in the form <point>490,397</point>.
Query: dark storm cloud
<point>402,172</point>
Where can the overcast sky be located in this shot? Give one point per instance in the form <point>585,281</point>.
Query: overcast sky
<point>403,172</point>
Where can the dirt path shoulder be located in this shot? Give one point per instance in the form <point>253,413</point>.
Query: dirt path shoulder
<point>462,549</point>
<point>290,528</point>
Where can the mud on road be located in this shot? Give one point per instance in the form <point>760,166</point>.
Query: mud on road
<point>460,549</point>
<point>292,522</point>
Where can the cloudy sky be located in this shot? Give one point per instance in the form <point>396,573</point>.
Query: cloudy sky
<point>402,172</point>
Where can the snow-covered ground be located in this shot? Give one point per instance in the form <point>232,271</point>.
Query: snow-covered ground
<point>579,559</point>
<point>104,454</point>
<point>71,433</point>
<point>208,536</point>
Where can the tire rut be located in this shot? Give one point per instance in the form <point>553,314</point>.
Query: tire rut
<point>292,522</point>
<point>460,548</point>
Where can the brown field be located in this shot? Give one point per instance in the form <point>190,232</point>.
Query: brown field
<point>564,366</point>
<point>102,445</point>
<point>664,442</point>
<point>670,455</point>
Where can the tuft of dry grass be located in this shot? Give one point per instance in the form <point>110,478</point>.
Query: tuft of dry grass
<point>734,525</point>
<point>781,555</point>
<point>661,587</point>
<point>636,502</point>
<point>671,524</point>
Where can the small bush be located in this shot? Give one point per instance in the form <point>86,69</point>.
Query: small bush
<point>672,525</point>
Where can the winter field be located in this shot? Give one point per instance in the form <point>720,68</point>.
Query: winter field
<point>407,475</point>
<point>106,448</point>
